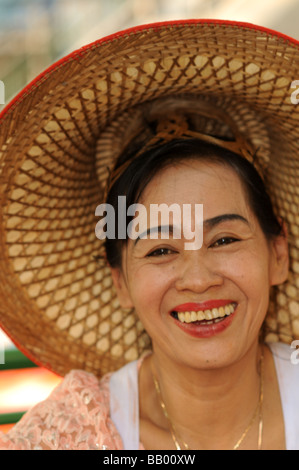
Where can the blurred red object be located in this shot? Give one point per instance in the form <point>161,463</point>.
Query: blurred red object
<point>21,389</point>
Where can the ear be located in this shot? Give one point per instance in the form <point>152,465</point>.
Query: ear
<point>121,288</point>
<point>279,268</point>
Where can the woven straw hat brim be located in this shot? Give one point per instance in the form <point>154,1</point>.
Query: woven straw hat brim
<point>56,303</point>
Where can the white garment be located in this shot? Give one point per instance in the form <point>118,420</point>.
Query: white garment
<point>124,402</point>
<point>288,381</point>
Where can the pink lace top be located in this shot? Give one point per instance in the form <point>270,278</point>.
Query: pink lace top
<point>75,416</point>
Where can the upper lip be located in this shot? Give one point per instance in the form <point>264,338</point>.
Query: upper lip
<point>206,305</point>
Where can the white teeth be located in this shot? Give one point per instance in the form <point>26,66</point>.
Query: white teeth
<point>181,316</point>
<point>187,317</point>
<point>215,312</point>
<point>221,312</point>
<point>210,316</point>
<point>227,310</point>
<point>217,320</point>
<point>200,315</point>
<point>193,316</point>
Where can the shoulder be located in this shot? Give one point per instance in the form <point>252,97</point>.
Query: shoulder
<point>80,386</point>
<point>75,416</point>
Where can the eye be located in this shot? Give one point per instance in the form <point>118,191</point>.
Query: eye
<point>225,241</point>
<point>160,252</point>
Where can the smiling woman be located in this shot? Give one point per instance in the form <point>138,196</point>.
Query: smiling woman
<point>203,309</point>
<point>165,342</point>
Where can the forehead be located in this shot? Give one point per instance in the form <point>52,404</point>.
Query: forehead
<point>212,184</point>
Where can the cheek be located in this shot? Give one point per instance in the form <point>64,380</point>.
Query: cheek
<point>148,287</point>
<point>250,272</point>
<point>251,275</point>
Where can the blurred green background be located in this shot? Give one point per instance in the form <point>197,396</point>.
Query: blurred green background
<point>35,33</point>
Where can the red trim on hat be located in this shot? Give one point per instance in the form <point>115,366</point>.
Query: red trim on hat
<point>75,55</point>
<point>159,25</point>
<point>27,353</point>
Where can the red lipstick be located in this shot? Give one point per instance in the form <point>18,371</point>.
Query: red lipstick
<point>206,305</point>
<point>199,329</point>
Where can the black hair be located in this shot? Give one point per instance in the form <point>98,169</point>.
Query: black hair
<point>142,169</point>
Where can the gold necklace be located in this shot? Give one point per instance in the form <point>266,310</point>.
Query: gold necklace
<point>258,411</point>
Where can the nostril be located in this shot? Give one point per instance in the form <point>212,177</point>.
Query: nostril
<point>199,280</point>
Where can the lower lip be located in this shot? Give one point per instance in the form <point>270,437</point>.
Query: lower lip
<point>206,331</point>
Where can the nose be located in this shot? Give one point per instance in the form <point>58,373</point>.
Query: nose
<point>198,274</point>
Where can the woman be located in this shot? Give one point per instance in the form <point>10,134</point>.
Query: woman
<point>167,134</point>
<point>203,308</point>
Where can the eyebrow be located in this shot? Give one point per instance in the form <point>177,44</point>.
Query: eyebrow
<point>208,224</point>
<point>159,229</point>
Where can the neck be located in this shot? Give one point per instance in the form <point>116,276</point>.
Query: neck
<point>209,408</point>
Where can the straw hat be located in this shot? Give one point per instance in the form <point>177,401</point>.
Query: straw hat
<point>63,132</point>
